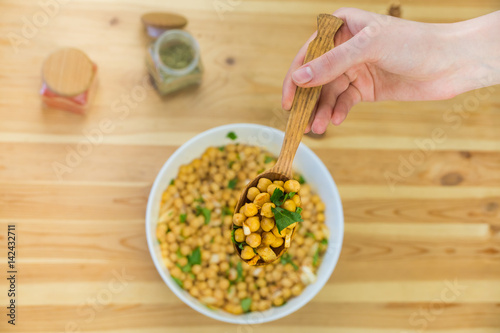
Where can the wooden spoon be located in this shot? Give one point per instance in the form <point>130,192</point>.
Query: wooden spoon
<point>302,109</point>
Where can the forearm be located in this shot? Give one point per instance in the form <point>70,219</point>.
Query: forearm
<point>477,45</point>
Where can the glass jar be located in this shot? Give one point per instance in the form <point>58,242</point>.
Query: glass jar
<point>173,61</point>
<point>68,81</point>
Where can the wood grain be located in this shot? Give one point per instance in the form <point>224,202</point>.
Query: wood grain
<point>402,243</point>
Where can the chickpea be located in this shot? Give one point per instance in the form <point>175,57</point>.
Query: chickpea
<point>182,261</point>
<point>263,184</point>
<point>292,186</point>
<point>267,224</point>
<point>247,253</point>
<point>250,209</point>
<point>261,199</point>
<point>278,301</point>
<point>289,205</point>
<point>320,217</point>
<point>286,282</point>
<point>194,291</point>
<point>224,284</point>
<point>239,236</point>
<point>277,233</point>
<point>266,209</point>
<point>296,290</point>
<point>271,188</point>
<point>185,250</point>
<point>238,219</point>
<point>320,206</point>
<point>196,269</point>
<point>277,242</point>
<point>253,240</point>
<point>252,193</point>
<point>296,200</point>
<point>268,238</point>
<point>253,223</point>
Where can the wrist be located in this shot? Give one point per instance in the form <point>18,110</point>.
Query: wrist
<point>476,52</point>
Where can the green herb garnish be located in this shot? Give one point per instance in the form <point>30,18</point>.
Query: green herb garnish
<point>179,254</point>
<point>232,135</point>
<point>232,183</point>
<point>239,269</point>
<point>230,164</point>
<point>287,259</point>
<point>316,258</point>
<point>268,159</point>
<point>179,282</point>
<point>205,212</point>
<point>284,218</point>
<point>172,182</point>
<point>301,180</point>
<point>195,257</point>
<point>310,234</point>
<point>324,241</point>
<point>226,211</point>
<point>200,199</point>
<point>221,148</point>
<point>260,171</point>
<point>183,218</point>
<point>278,197</point>
<point>246,303</point>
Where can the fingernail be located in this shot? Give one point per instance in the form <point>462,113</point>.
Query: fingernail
<point>302,75</point>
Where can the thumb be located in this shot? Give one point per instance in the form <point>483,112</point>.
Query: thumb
<point>330,65</point>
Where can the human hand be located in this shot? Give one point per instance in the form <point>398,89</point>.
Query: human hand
<point>379,57</point>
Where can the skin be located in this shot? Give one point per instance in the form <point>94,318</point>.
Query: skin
<point>378,57</point>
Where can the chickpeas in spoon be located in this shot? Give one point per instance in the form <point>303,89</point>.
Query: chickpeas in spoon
<point>268,211</point>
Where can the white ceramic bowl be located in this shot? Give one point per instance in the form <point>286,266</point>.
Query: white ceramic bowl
<point>306,162</point>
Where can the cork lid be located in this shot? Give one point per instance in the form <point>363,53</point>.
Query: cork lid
<point>68,72</point>
<point>164,20</point>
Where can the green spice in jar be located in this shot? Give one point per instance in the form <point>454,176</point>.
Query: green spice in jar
<point>173,61</point>
<point>176,55</point>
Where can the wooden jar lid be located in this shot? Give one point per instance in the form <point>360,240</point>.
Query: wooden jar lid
<point>68,72</point>
<point>164,20</point>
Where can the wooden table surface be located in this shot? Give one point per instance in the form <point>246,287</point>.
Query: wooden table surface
<point>420,255</point>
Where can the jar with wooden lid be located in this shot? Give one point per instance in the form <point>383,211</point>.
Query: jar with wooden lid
<point>68,80</point>
<point>173,61</point>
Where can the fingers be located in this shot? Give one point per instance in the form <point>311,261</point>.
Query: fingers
<point>326,103</point>
<point>289,87</point>
<point>330,65</point>
<point>344,103</point>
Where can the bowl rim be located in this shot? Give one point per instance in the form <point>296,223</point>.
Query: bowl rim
<point>249,318</point>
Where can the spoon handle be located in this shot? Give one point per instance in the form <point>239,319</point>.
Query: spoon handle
<point>306,98</point>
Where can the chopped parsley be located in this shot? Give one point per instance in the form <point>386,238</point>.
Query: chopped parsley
<point>179,282</point>
<point>172,182</point>
<point>205,212</point>
<point>183,218</point>
<point>268,159</point>
<point>245,304</point>
<point>221,148</point>
<point>301,180</point>
<point>232,183</point>
<point>226,211</point>
<point>287,259</point>
<point>195,257</point>
<point>200,199</point>
<point>316,258</point>
<point>283,217</point>
<point>239,269</point>
<point>232,135</point>
<point>310,234</point>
